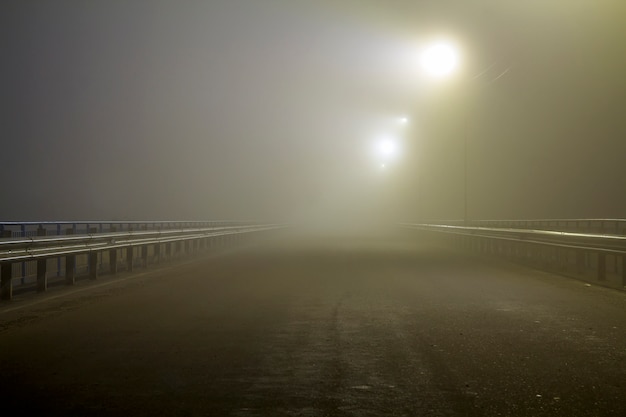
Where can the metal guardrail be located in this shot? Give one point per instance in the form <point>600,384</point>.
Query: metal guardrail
<point>27,270</point>
<point>601,257</point>
<point>601,226</point>
<point>37,228</point>
<point>104,248</point>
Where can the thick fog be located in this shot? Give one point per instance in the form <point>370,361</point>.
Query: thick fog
<point>275,110</point>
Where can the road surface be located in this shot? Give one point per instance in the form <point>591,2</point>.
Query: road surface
<point>319,326</point>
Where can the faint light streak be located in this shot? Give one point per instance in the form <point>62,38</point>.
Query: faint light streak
<point>483,72</point>
<point>502,74</point>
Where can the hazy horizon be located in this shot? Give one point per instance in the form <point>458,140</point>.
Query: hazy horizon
<point>271,110</point>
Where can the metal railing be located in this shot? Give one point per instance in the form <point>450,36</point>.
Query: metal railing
<point>24,229</point>
<point>601,226</point>
<point>26,271</point>
<point>36,258</point>
<point>593,257</point>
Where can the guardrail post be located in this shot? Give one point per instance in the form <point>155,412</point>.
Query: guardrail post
<point>58,231</point>
<point>168,250</point>
<point>624,270</point>
<point>93,265</point>
<point>580,261</point>
<point>6,280</point>
<point>92,231</point>
<point>70,280</point>
<point>144,256</point>
<point>22,279</point>
<point>70,265</point>
<point>157,252</point>
<point>42,277</point>
<point>42,266</point>
<point>112,252</point>
<point>129,259</point>
<point>113,261</point>
<point>601,266</point>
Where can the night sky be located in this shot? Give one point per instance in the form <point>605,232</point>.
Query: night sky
<point>270,110</point>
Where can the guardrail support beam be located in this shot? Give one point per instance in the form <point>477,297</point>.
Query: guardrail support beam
<point>93,265</point>
<point>144,256</point>
<point>70,264</point>
<point>42,277</point>
<point>6,281</point>
<point>113,261</point>
<point>157,252</point>
<point>624,271</point>
<point>129,258</point>
<point>601,267</point>
<point>580,261</point>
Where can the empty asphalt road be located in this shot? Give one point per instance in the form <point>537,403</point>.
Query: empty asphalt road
<point>319,326</point>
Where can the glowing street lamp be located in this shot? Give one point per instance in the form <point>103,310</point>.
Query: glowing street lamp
<point>440,59</point>
<point>385,151</point>
<point>387,148</point>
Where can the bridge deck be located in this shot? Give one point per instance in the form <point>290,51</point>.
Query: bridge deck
<point>341,327</point>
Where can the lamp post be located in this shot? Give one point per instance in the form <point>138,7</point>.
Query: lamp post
<point>440,60</point>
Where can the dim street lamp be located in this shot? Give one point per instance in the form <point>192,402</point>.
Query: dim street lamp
<point>388,148</point>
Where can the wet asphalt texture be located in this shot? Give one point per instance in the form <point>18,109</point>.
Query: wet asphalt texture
<point>319,326</point>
